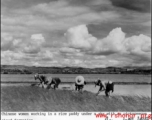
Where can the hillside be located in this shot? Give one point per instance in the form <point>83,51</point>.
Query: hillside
<point>20,69</point>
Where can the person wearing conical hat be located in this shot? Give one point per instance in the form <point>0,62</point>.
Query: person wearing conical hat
<point>107,86</point>
<point>79,83</point>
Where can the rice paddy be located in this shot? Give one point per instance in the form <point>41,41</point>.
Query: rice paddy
<point>28,98</point>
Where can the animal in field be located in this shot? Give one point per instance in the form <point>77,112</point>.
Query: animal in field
<point>107,86</point>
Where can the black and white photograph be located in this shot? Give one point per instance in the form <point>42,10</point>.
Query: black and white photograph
<point>76,55</point>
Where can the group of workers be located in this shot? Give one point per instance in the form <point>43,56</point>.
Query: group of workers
<point>53,82</point>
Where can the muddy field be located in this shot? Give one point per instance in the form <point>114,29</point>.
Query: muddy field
<point>27,98</point>
<point>24,97</point>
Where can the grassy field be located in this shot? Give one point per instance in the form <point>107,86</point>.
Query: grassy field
<point>27,98</point>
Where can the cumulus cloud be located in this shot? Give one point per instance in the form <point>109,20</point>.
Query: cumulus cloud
<point>116,42</point>
<point>8,42</point>
<point>78,37</point>
<point>77,62</point>
<point>45,55</point>
<point>111,44</point>
<point>71,62</point>
<point>23,20</point>
<point>138,44</point>
<point>34,44</point>
<point>16,42</point>
<point>6,37</point>
<point>10,57</point>
<point>100,57</point>
<point>68,50</point>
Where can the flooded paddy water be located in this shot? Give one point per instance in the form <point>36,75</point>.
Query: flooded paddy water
<point>123,90</point>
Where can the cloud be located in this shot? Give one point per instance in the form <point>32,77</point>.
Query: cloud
<point>59,9</point>
<point>136,5</point>
<point>17,4</point>
<point>34,45</point>
<point>100,57</point>
<point>33,32</point>
<point>68,50</point>
<point>139,43</point>
<point>8,42</point>
<point>71,62</point>
<point>58,15</point>
<point>115,43</point>
<point>10,57</point>
<point>139,46</point>
<point>44,55</point>
<point>78,37</point>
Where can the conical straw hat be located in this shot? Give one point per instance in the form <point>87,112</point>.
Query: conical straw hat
<point>110,82</point>
<point>79,80</point>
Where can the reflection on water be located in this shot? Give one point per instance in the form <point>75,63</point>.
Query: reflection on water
<point>140,90</point>
<point>129,90</point>
<point>88,77</point>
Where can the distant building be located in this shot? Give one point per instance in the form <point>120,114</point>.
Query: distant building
<point>130,69</point>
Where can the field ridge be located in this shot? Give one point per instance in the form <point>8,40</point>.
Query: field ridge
<point>27,98</point>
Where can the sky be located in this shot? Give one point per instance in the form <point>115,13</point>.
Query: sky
<point>76,33</point>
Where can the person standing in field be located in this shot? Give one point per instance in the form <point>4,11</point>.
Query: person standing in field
<point>107,86</point>
<point>46,82</point>
<point>79,83</point>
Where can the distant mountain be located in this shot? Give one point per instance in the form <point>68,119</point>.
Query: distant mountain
<point>138,67</point>
<point>22,69</point>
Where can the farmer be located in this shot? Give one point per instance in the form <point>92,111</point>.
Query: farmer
<point>79,83</point>
<point>55,81</point>
<point>46,82</point>
<point>41,78</point>
<point>107,86</point>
